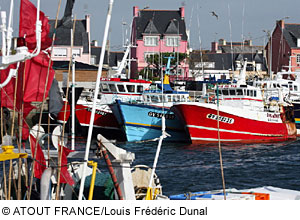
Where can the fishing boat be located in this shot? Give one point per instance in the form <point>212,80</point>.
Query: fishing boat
<point>53,176</point>
<point>142,120</point>
<point>289,82</point>
<point>110,90</point>
<point>238,113</point>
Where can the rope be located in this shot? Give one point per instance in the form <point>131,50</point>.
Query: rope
<point>219,144</point>
<point>43,102</point>
<point>60,152</point>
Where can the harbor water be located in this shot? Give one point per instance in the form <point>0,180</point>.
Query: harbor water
<point>184,168</point>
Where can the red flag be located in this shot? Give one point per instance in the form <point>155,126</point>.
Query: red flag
<point>27,25</point>
<point>36,72</point>
<point>65,176</point>
<point>7,92</point>
<point>36,69</point>
<point>40,163</point>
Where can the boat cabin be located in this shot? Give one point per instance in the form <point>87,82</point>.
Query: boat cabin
<point>123,89</point>
<point>244,96</point>
<point>153,98</point>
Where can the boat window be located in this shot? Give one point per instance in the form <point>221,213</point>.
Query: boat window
<point>239,92</point>
<point>104,87</point>
<point>290,87</point>
<point>295,88</point>
<point>147,98</point>
<point>112,87</point>
<point>140,89</point>
<point>176,98</point>
<point>274,85</point>
<point>220,92</point>
<point>251,92</point>
<point>121,88</point>
<point>130,88</point>
<point>285,85</point>
<point>225,92</point>
<point>255,93</point>
<point>169,98</point>
<point>154,98</point>
<point>248,92</point>
<point>232,91</point>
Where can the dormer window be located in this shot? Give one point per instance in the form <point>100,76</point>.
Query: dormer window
<point>172,41</point>
<point>151,41</point>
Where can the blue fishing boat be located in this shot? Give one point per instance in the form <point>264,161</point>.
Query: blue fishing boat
<point>142,120</point>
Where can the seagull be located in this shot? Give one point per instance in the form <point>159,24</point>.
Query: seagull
<point>214,14</point>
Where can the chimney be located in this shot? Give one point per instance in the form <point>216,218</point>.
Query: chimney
<point>182,12</point>
<point>135,11</point>
<point>222,42</point>
<point>281,24</point>
<point>214,47</point>
<point>248,42</point>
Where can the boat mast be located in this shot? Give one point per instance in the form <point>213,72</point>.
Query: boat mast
<point>88,143</point>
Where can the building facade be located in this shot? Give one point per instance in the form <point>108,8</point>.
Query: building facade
<point>81,42</point>
<point>157,32</point>
<point>284,44</point>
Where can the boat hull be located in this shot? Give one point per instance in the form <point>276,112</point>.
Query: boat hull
<point>144,122</point>
<point>297,116</point>
<point>104,118</point>
<point>235,125</point>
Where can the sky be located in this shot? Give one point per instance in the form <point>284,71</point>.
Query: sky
<point>237,19</point>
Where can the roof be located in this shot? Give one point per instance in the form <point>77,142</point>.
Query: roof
<point>64,65</point>
<point>240,48</point>
<point>114,56</point>
<point>63,35</point>
<point>291,33</point>
<point>163,21</point>
<point>223,61</point>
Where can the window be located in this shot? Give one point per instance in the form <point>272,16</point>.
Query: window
<point>147,55</point>
<point>239,92</point>
<point>151,41</point>
<point>130,88</point>
<point>104,87</point>
<point>298,58</point>
<point>121,88</point>
<point>232,92</point>
<point>154,98</point>
<point>225,92</point>
<point>172,41</point>
<point>59,52</point>
<point>76,52</point>
<point>112,88</point>
<point>140,89</point>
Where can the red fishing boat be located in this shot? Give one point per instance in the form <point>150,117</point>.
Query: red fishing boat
<point>110,90</point>
<point>238,113</point>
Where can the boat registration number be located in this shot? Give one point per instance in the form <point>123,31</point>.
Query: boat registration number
<point>98,112</point>
<point>221,118</point>
<point>159,115</point>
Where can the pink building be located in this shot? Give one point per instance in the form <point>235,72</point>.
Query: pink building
<point>155,32</point>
